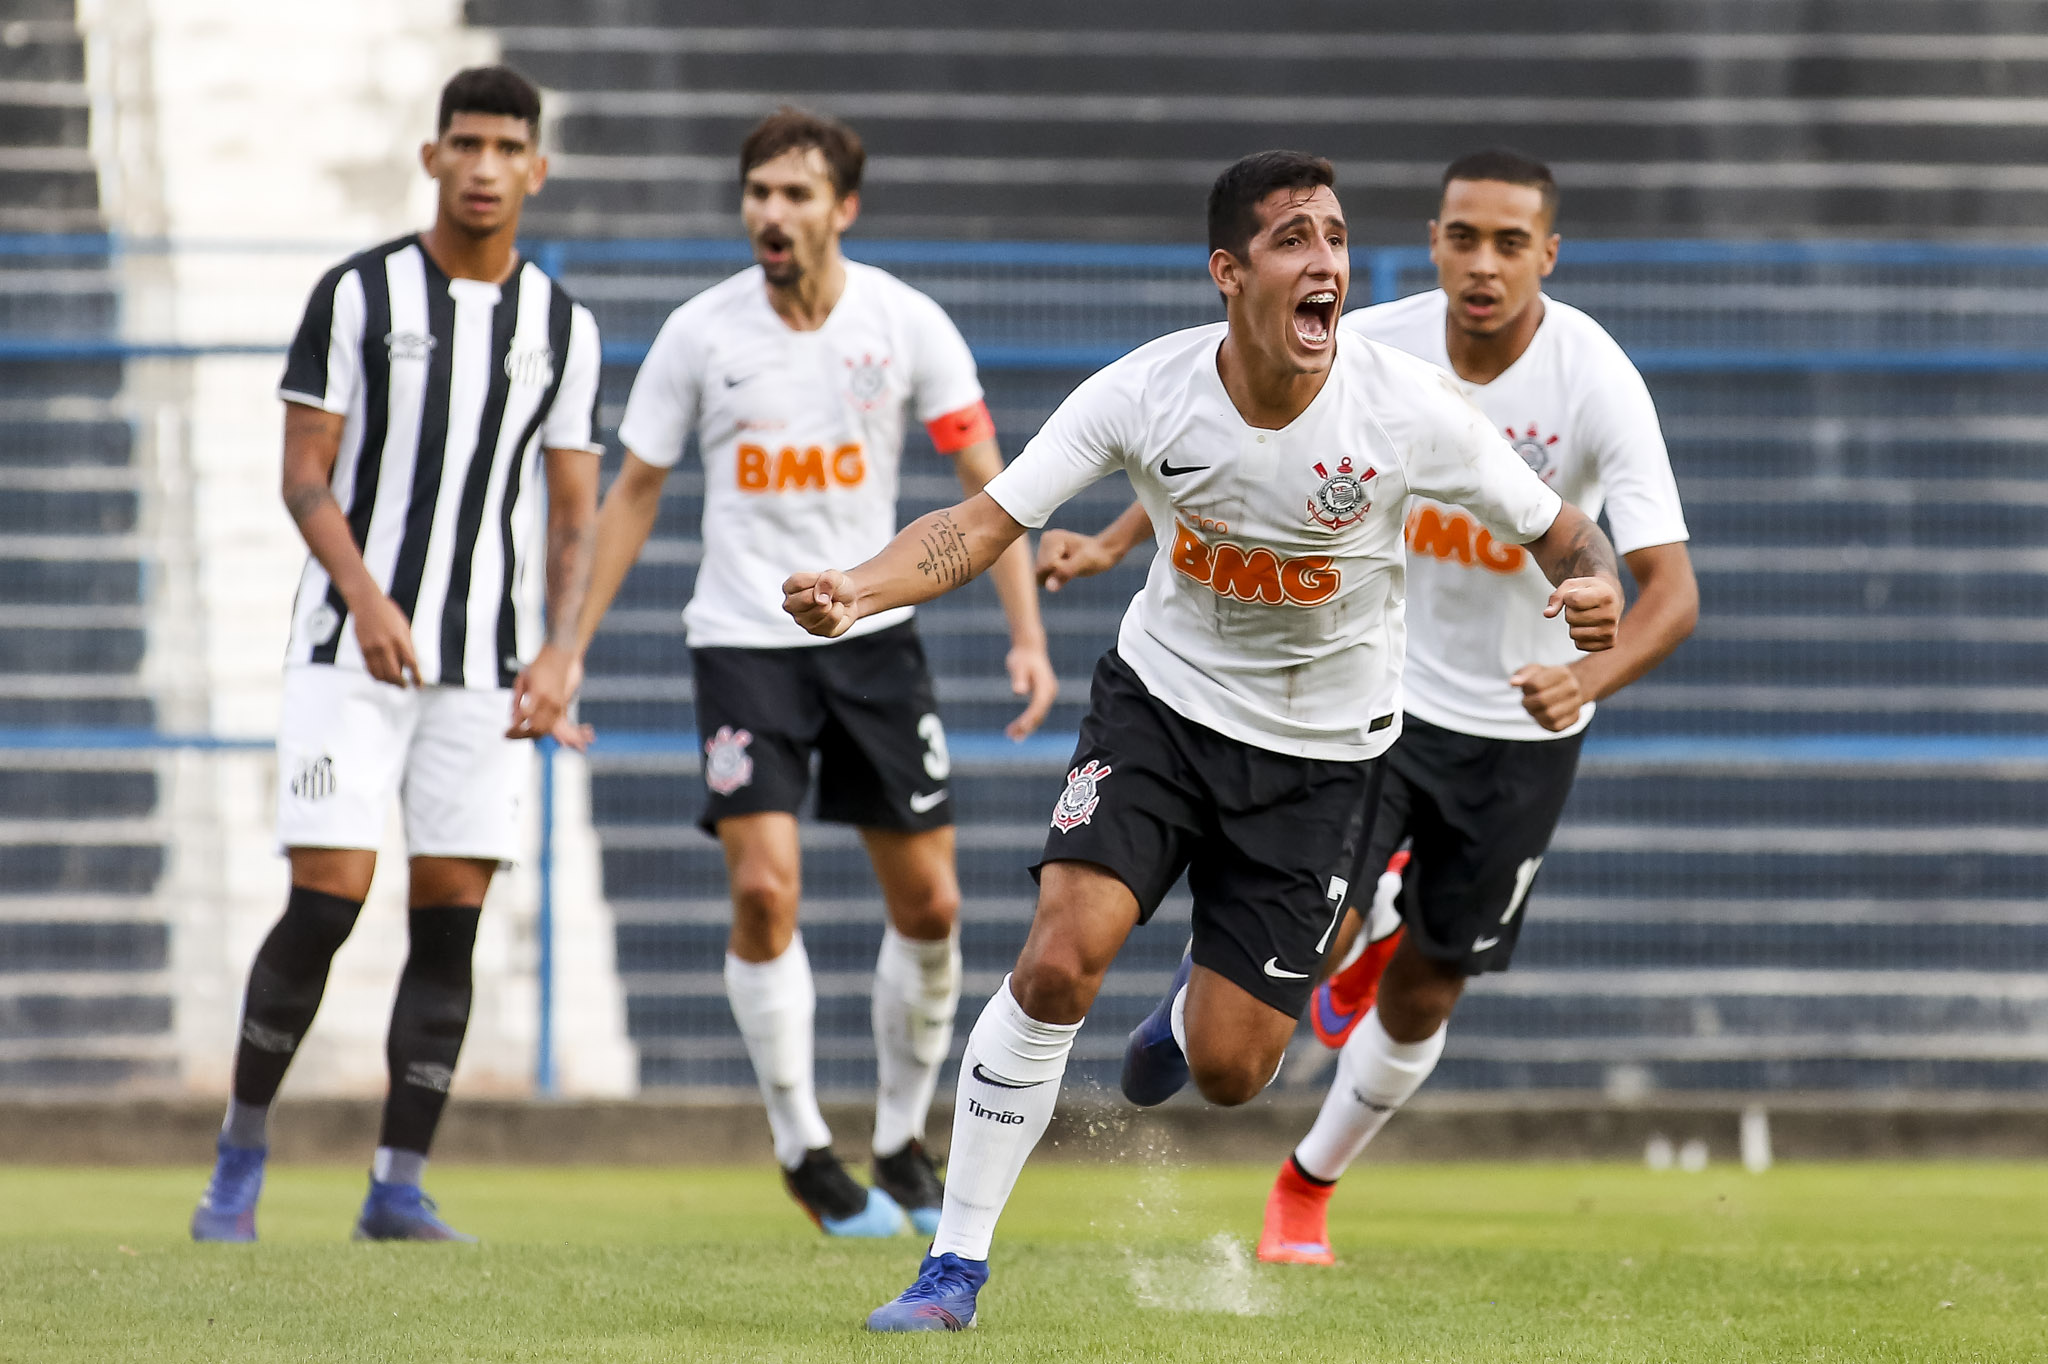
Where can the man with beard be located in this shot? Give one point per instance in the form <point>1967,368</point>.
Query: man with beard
<point>794,376</point>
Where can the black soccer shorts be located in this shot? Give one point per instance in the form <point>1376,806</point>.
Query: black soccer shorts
<point>1264,837</point>
<point>865,706</point>
<point>1481,813</point>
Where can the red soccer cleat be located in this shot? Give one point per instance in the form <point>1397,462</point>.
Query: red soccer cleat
<point>1297,1222</point>
<point>1342,1000</point>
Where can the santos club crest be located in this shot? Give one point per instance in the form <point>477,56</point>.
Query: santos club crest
<point>726,765</point>
<point>1341,499</point>
<point>1084,792</point>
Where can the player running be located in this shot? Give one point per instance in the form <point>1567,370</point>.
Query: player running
<point>1498,699</point>
<point>1234,730</point>
<point>794,376</point>
<point>433,381</point>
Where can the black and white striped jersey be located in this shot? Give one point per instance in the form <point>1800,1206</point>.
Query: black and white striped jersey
<point>451,388</point>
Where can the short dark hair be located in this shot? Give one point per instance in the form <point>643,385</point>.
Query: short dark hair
<point>490,90</point>
<point>1235,197</point>
<point>1508,167</point>
<point>790,128</point>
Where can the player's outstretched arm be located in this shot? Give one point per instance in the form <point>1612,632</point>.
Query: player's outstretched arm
<point>1579,561</point>
<point>312,442</point>
<point>1666,608</point>
<point>931,556</point>
<point>544,689</point>
<point>1029,662</point>
<point>1064,555</point>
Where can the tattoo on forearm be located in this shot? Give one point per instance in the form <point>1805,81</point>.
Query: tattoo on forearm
<point>1588,555</point>
<point>946,558</point>
<point>569,560</point>
<point>305,499</point>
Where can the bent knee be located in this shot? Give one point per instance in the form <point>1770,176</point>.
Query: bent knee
<point>1055,986</point>
<point>1228,1081</point>
<point>929,914</point>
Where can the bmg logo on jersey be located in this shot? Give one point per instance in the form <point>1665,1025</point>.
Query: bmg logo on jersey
<point>1456,536</point>
<point>799,469</point>
<point>1230,570</point>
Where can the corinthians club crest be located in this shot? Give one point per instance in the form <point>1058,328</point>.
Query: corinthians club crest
<point>867,381</point>
<point>1537,451</point>
<point>1084,792</point>
<point>1341,498</point>
<point>726,765</point>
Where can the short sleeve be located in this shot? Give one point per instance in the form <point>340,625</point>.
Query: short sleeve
<point>1460,459</point>
<point>661,411</point>
<point>572,421</point>
<point>324,367</point>
<point>1085,439</point>
<point>943,379</point>
<point>1619,422</point>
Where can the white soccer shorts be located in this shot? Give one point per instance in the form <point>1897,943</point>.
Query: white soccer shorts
<point>348,743</point>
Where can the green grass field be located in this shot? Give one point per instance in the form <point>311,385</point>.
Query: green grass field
<point>1445,1263</point>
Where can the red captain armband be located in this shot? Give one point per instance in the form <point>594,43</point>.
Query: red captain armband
<point>956,431</point>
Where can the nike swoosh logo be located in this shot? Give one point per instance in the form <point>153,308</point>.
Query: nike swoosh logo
<point>1272,968</point>
<point>731,382</point>
<point>1485,943</point>
<point>924,801</point>
<point>1166,467</point>
<point>989,1079</point>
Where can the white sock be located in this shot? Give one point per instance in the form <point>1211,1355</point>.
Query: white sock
<point>1177,1019</point>
<point>388,1165</point>
<point>1375,1076</point>
<point>774,1003</point>
<point>917,992</point>
<point>1009,1084</point>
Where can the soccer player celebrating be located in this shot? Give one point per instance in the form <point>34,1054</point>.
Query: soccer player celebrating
<point>1498,698</point>
<point>1234,730</point>
<point>794,376</point>
<point>439,461</point>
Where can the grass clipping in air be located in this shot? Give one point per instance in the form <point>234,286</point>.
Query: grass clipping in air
<point>1114,1262</point>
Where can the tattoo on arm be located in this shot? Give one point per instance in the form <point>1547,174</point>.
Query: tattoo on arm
<point>1587,555</point>
<point>570,542</point>
<point>946,560</point>
<point>306,498</point>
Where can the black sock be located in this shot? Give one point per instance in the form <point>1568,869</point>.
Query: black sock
<point>285,986</point>
<point>427,1023</point>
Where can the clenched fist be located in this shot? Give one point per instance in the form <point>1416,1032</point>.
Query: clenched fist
<point>823,603</point>
<point>1064,556</point>
<point>1591,607</point>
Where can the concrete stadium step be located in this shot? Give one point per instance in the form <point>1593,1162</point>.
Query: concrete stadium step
<point>64,1015</point>
<point>49,650</point>
<point>80,944</point>
<point>33,441</point>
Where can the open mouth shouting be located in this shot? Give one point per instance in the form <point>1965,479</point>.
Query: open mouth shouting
<point>1480,304</point>
<point>1315,318</point>
<point>773,247</point>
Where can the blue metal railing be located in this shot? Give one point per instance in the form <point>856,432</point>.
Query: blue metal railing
<point>1381,270</point>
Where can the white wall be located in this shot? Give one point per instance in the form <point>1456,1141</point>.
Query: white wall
<point>219,124</point>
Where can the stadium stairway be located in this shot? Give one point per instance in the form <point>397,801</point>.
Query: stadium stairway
<point>1803,855</point>
<point>1073,120</point>
<point>84,1001</point>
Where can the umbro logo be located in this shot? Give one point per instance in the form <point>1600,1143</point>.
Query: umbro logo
<point>408,345</point>
<point>1167,467</point>
<point>923,802</point>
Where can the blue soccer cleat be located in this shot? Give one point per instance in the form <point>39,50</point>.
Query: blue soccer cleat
<point>1154,1068</point>
<point>402,1212</point>
<point>836,1201</point>
<point>227,1210</point>
<point>942,1299</point>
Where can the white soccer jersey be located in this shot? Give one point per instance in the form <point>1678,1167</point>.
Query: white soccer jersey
<point>450,389</point>
<point>801,435</point>
<point>1272,613</point>
<point>1579,414</point>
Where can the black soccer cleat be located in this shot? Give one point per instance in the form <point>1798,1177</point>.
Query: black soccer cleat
<point>913,1181</point>
<point>836,1201</point>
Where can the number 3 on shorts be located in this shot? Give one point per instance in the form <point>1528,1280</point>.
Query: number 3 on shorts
<point>938,763</point>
